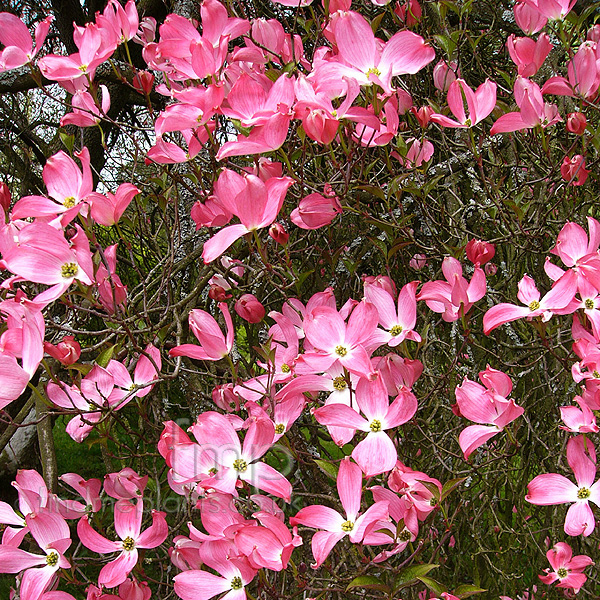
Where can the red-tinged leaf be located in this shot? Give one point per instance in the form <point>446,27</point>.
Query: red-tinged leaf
<point>369,582</point>
<point>466,590</point>
<point>450,486</point>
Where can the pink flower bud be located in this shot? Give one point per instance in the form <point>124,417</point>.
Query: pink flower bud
<point>573,170</point>
<point>143,82</point>
<point>422,115</point>
<point>408,11</point>
<point>529,18</point>
<point>444,74</point>
<point>576,123</point>
<point>126,484</point>
<point>593,34</point>
<point>383,282</point>
<point>418,261</point>
<point>315,211</point>
<point>319,126</point>
<point>480,252</point>
<point>279,234</point>
<point>4,197</point>
<point>218,293</point>
<point>250,309</point>
<point>134,590</point>
<point>146,31</point>
<point>225,399</point>
<point>490,269</point>
<point>67,351</point>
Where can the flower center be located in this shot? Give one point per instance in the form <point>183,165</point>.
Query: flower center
<point>339,384</point>
<point>279,428</point>
<point>236,583</point>
<point>52,559</point>
<point>373,71</point>
<point>128,544</point>
<point>83,68</point>
<point>396,330</point>
<point>562,573</point>
<point>347,526</point>
<point>404,535</point>
<point>69,270</point>
<point>583,493</point>
<point>375,425</point>
<point>596,374</point>
<point>240,465</point>
<point>589,304</point>
<point>69,202</point>
<point>341,350</point>
<point>285,368</point>
<point>534,305</point>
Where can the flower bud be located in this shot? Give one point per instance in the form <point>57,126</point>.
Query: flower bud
<point>422,115</point>
<point>417,262</point>
<point>143,82</point>
<point>67,351</point>
<point>480,252</point>
<point>4,197</point>
<point>381,281</point>
<point>593,34</point>
<point>218,293</point>
<point>443,75</point>
<point>490,269</point>
<point>224,397</point>
<point>408,11</point>
<point>315,211</point>
<point>279,234</point>
<point>126,484</point>
<point>576,123</point>
<point>250,309</point>
<point>573,170</point>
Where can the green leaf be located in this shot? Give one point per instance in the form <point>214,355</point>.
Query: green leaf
<point>327,468</point>
<point>432,488</point>
<point>433,585</point>
<point>104,357</point>
<point>67,140</point>
<point>369,582</point>
<point>446,43</point>
<point>411,574</point>
<point>376,22</point>
<point>466,590</point>
<point>450,486</point>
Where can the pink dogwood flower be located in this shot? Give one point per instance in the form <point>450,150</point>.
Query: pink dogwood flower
<point>52,534</point>
<point>253,201</point>
<point>487,406</point>
<point>535,306</point>
<point>334,525</point>
<point>18,46</point>
<point>128,522</point>
<point>362,58</point>
<point>213,344</point>
<point>479,104</point>
<point>219,445</point>
<point>335,340</point>
<point>552,488</point>
<point>234,574</point>
<point>528,54</point>
<point>455,296</point>
<point>376,453</point>
<point>534,111</point>
<point>566,568</point>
